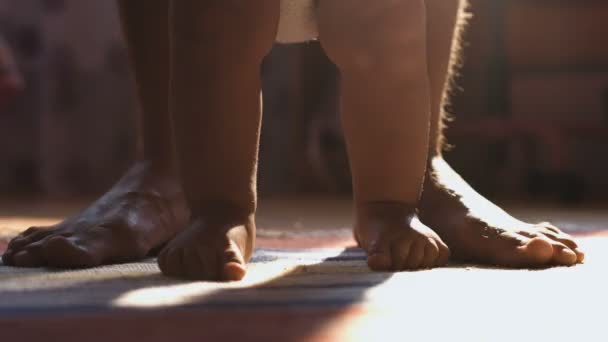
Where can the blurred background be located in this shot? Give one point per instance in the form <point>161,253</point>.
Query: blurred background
<point>530,106</point>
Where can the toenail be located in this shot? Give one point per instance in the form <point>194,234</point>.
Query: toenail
<point>568,252</point>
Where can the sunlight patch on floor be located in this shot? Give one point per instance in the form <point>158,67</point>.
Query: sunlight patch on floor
<point>258,275</point>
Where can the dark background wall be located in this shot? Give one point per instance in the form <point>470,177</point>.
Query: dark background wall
<point>531,106</point>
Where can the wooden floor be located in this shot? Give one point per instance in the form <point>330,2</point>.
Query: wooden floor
<point>306,283</point>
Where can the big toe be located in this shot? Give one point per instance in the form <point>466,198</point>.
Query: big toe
<point>31,235</point>
<point>233,264</point>
<point>379,261</point>
<point>233,271</point>
<point>26,259</point>
<point>7,257</point>
<point>30,256</point>
<point>536,252</point>
<point>60,251</point>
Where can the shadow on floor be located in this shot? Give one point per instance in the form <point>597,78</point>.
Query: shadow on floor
<point>297,305</point>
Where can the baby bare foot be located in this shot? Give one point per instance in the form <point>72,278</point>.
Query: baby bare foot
<point>142,211</point>
<point>216,246</point>
<point>479,231</point>
<point>394,238</point>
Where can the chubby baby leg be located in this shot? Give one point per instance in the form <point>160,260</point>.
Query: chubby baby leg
<point>380,48</point>
<point>217,48</point>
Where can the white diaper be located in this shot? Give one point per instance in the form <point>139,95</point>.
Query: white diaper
<point>298,22</point>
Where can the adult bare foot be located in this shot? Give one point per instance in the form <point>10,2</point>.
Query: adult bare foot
<point>142,211</point>
<point>477,230</point>
<point>395,240</point>
<point>216,246</point>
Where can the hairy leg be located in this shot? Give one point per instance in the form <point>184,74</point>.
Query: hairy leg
<point>146,207</point>
<point>217,47</point>
<point>386,106</point>
<point>474,228</point>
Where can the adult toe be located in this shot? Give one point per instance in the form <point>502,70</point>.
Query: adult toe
<point>563,255</point>
<point>535,252</point>
<point>379,257</point>
<point>60,251</point>
<point>193,265</point>
<point>27,258</point>
<point>34,234</point>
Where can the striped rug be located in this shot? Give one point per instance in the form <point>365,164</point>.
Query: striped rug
<point>323,294</point>
<point>312,285</point>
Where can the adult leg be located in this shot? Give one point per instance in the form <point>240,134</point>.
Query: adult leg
<point>217,47</point>
<point>380,48</point>
<point>474,228</point>
<point>11,82</point>
<point>146,207</point>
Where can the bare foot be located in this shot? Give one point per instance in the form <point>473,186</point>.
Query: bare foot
<point>216,246</point>
<point>141,212</point>
<point>394,238</point>
<point>477,230</point>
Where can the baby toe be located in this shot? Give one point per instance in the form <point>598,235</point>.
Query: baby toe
<point>416,256</point>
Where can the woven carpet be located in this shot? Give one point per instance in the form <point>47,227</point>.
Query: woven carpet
<point>295,291</point>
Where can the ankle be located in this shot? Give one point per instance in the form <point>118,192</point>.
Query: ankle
<point>392,210</point>
<point>223,211</point>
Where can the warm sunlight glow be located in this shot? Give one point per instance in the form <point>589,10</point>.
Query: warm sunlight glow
<point>258,274</point>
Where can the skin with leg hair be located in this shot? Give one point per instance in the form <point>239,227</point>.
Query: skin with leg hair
<point>474,228</point>
<point>146,207</point>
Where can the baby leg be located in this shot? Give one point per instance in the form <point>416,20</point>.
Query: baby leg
<point>217,48</point>
<point>380,48</point>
